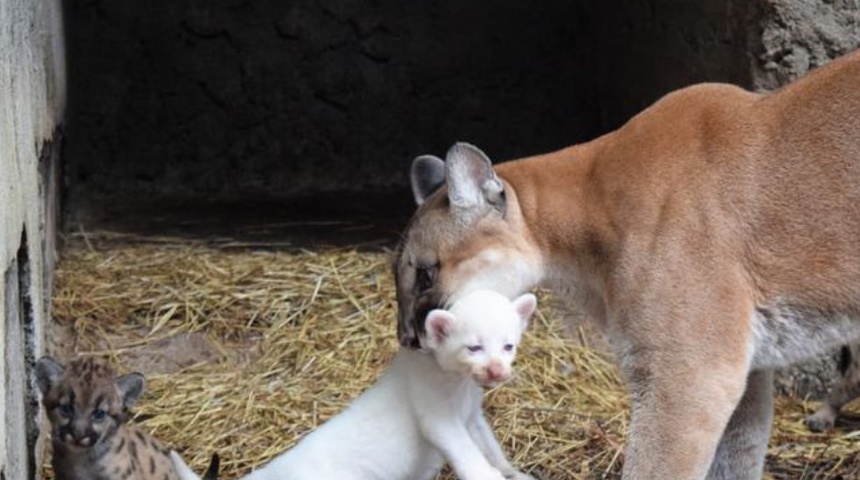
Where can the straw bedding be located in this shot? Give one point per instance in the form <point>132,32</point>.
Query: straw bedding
<point>245,351</point>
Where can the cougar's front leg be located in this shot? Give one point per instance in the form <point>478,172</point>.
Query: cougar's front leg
<point>686,377</point>
<point>677,420</point>
<point>743,446</point>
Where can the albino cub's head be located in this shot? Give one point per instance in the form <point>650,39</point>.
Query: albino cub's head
<point>479,334</point>
<point>468,234</point>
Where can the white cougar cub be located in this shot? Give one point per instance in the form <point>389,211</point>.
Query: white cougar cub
<point>424,410</point>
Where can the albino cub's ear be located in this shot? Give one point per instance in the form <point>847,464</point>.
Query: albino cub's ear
<point>426,176</point>
<point>439,324</point>
<point>525,306</point>
<point>131,387</point>
<point>470,178</point>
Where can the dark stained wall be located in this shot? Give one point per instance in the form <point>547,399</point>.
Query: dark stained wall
<point>274,97</point>
<point>646,49</point>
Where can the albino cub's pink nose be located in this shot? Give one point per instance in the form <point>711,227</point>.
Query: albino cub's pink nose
<point>496,372</point>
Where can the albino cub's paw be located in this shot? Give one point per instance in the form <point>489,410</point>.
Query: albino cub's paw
<point>822,420</point>
<point>489,473</point>
<point>519,476</point>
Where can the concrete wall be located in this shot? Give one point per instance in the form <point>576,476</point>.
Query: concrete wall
<point>791,37</point>
<point>32,98</point>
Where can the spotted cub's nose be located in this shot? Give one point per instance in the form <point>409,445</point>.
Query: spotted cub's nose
<point>81,439</point>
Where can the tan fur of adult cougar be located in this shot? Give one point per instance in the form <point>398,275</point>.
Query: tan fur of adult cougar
<point>715,236</point>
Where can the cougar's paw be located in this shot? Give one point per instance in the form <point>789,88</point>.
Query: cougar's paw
<point>822,420</point>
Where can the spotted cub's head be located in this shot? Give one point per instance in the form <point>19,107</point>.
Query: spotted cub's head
<point>467,234</point>
<point>85,401</point>
<point>479,334</point>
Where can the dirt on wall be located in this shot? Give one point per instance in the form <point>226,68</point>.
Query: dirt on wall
<point>235,97</point>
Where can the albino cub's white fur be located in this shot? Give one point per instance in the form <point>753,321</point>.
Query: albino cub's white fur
<point>424,410</point>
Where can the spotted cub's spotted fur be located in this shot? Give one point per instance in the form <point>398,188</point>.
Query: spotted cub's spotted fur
<point>88,405</point>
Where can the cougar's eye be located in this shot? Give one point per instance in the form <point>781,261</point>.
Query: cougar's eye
<point>99,415</point>
<point>425,276</point>
<point>66,410</point>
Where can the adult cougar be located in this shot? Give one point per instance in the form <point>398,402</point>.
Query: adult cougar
<point>715,236</point>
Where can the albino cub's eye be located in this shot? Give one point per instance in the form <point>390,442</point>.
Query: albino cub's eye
<point>474,348</point>
<point>509,347</point>
<point>99,415</point>
<point>66,410</point>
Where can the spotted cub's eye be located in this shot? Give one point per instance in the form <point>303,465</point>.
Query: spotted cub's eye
<point>66,410</point>
<point>509,347</point>
<point>99,415</point>
<point>474,348</point>
<point>425,276</point>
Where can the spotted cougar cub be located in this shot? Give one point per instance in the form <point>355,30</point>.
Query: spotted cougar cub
<point>88,405</point>
<point>424,410</point>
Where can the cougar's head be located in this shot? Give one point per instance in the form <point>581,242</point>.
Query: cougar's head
<point>467,234</point>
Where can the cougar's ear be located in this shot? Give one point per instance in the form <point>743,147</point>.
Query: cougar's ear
<point>426,176</point>
<point>439,325</point>
<point>131,387</point>
<point>525,306</point>
<point>471,179</point>
<point>48,372</point>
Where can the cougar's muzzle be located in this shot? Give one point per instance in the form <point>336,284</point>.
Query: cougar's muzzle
<point>411,318</point>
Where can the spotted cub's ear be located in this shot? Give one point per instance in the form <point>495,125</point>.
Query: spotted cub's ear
<point>48,373</point>
<point>525,306</point>
<point>130,387</point>
<point>439,325</point>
